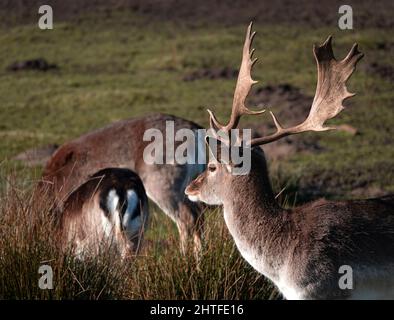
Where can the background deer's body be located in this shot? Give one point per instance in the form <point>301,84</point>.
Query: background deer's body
<point>121,145</point>
<point>301,250</point>
<point>111,208</point>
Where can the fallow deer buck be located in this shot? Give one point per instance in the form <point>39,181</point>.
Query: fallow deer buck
<point>109,210</point>
<point>121,145</point>
<point>301,250</point>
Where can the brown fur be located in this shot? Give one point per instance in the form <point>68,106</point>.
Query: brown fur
<point>121,145</point>
<point>80,219</point>
<point>312,241</point>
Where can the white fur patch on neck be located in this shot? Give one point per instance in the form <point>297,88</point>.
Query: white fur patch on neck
<point>288,290</point>
<point>193,198</point>
<point>258,260</point>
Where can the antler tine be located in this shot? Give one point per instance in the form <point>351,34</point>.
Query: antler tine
<point>242,89</point>
<point>331,91</point>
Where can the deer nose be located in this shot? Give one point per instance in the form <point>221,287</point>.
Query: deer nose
<point>191,189</point>
<point>187,190</point>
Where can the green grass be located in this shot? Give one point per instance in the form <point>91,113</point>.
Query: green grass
<point>28,239</point>
<point>122,66</point>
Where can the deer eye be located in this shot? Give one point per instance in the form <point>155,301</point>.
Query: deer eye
<point>211,168</point>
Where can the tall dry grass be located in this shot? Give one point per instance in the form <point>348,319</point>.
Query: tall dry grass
<point>28,239</point>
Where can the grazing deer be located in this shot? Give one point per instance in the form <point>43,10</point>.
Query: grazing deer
<point>301,250</point>
<point>121,145</point>
<point>110,208</point>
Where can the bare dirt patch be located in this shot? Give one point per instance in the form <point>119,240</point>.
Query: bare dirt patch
<point>211,74</point>
<point>385,46</point>
<point>367,13</point>
<point>291,107</point>
<point>39,64</point>
<point>287,101</point>
<point>381,70</point>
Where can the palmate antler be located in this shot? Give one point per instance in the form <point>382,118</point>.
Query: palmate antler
<point>331,91</point>
<point>242,89</point>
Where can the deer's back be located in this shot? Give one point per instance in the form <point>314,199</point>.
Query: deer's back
<point>356,233</point>
<point>117,145</point>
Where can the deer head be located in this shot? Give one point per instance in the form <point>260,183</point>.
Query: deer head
<point>213,185</point>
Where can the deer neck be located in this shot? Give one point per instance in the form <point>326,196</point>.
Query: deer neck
<point>255,221</point>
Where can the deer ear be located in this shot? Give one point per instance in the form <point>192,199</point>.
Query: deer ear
<point>218,150</point>
<point>214,147</point>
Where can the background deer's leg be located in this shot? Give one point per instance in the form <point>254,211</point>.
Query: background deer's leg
<point>190,226</point>
<point>165,186</point>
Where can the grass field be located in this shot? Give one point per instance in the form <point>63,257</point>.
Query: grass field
<point>121,65</point>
